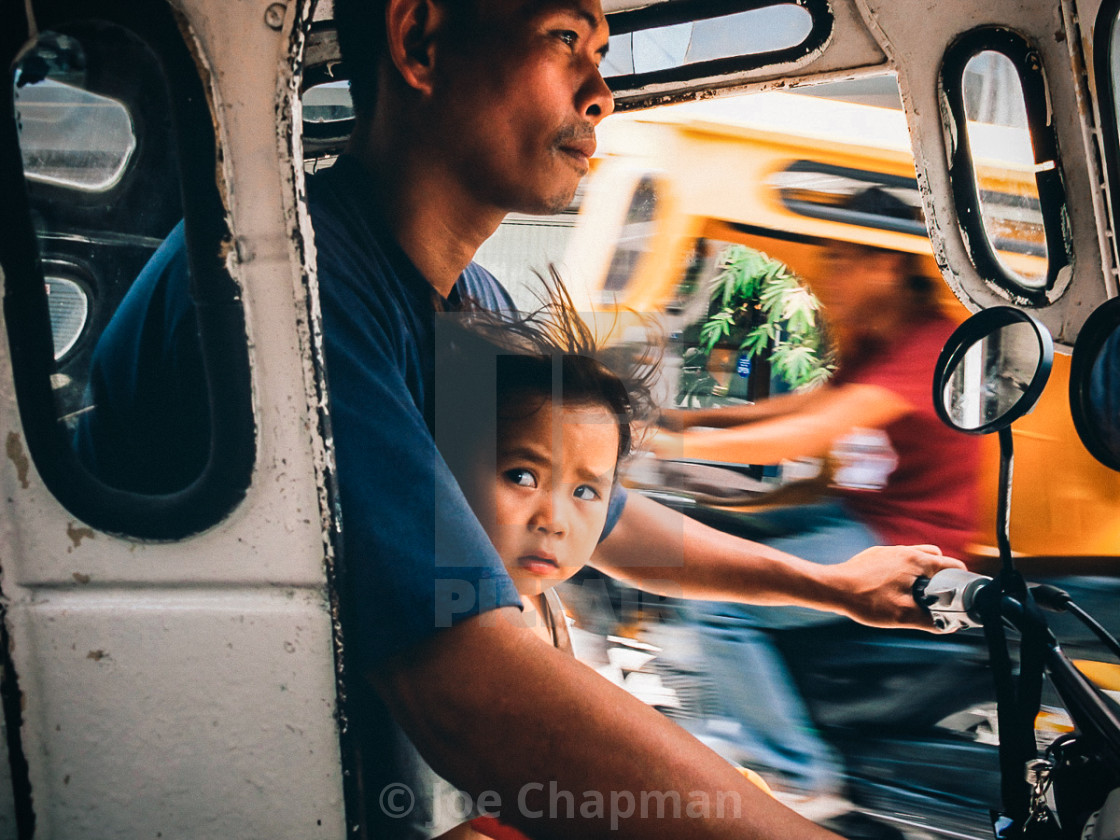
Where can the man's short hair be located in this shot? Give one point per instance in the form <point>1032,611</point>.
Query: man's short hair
<point>360,25</point>
<point>362,40</point>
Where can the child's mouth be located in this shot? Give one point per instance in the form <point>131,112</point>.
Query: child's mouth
<point>535,564</point>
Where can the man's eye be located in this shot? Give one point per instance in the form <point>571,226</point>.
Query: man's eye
<point>586,493</point>
<point>567,36</point>
<point>521,477</point>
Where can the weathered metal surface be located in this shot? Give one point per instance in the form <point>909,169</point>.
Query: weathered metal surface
<point>916,44</point>
<point>188,688</point>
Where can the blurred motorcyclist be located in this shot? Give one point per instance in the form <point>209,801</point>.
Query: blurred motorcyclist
<point>898,475</point>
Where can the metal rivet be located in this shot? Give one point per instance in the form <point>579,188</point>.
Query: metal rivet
<point>274,16</point>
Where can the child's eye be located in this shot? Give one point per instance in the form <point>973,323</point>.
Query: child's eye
<point>522,477</point>
<point>586,493</point>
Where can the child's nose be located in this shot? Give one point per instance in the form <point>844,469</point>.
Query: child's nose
<point>548,517</point>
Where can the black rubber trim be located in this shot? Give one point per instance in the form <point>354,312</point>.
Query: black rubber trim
<point>1050,182</point>
<point>225,479</point>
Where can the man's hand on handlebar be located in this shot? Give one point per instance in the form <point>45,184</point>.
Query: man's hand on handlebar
<point>878,584</point>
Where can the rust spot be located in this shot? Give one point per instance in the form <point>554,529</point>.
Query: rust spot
<point>80,578</point>
<point>18,457</point>
<point>77,534</point>
<point>97,655</point>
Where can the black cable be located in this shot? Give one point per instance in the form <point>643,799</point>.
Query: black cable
<point>1058,600</point>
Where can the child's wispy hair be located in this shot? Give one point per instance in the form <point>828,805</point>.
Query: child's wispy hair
<point>548,353</point>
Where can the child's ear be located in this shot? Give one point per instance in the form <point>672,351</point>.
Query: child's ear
<point>411,27</point>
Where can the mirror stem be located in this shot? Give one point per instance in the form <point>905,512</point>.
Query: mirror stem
<point>1003,509</point>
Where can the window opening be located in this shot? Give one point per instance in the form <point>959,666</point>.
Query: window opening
<point>634,240</point>
<point>70,136</point>
<point>91,222</point>
<point>103,118</point>
<point>684,41</point>
<point>820,191</point>
<point>753,32</point>
<point>328,118</point>
<point>741,324</point>
<point>1000,141</point>
<point>68,304</point>
<point>1007,180</point>
<point>328,103</point>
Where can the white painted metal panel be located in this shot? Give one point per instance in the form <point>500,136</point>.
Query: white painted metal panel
<point>187,689</point>
<point>916,45</point>
<point>179,713</point>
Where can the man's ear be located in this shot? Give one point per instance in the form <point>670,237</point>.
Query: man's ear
<point>411,27</point>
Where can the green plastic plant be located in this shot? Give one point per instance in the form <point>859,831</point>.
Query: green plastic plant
<point>761,308</point>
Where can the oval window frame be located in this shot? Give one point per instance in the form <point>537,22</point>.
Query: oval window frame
<point>225,479</point>
<point>1049,180</point>
<point>626,87</point>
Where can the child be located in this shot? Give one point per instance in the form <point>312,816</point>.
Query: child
<point>537,427</point>
<point>533,425</point>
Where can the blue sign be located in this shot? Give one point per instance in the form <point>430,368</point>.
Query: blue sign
<point>743,366</point>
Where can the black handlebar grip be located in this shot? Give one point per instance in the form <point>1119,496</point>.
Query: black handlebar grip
<point>918,590</point>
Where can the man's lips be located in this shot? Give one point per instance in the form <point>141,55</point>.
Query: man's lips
<point>579,148</point>
<point>577,141</point>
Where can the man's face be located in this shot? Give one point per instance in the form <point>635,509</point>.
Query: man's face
<point>519,97</point>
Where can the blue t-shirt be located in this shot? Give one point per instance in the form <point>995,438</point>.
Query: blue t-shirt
<point>412,571</point>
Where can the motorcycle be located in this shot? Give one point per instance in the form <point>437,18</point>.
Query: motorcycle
<point>990,373</point>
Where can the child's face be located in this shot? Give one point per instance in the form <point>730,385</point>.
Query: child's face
<point>545,505</point>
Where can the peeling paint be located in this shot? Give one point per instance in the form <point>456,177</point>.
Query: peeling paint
<point>19,458</point>
<point>77,534</point>
<point>80,578</point>
<point>98,655</point>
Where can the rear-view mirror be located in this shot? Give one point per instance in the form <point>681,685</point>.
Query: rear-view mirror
<point>992,370</point>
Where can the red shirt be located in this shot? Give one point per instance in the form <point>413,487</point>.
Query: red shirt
<point>916,480</point>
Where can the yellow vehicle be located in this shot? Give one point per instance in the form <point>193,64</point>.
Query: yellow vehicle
<point>768,171</point>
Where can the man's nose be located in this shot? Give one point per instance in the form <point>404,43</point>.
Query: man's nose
<point>597,101</point>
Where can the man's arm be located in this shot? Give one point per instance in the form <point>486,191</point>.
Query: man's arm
<point>663,551</point>
<point>494,708</point>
